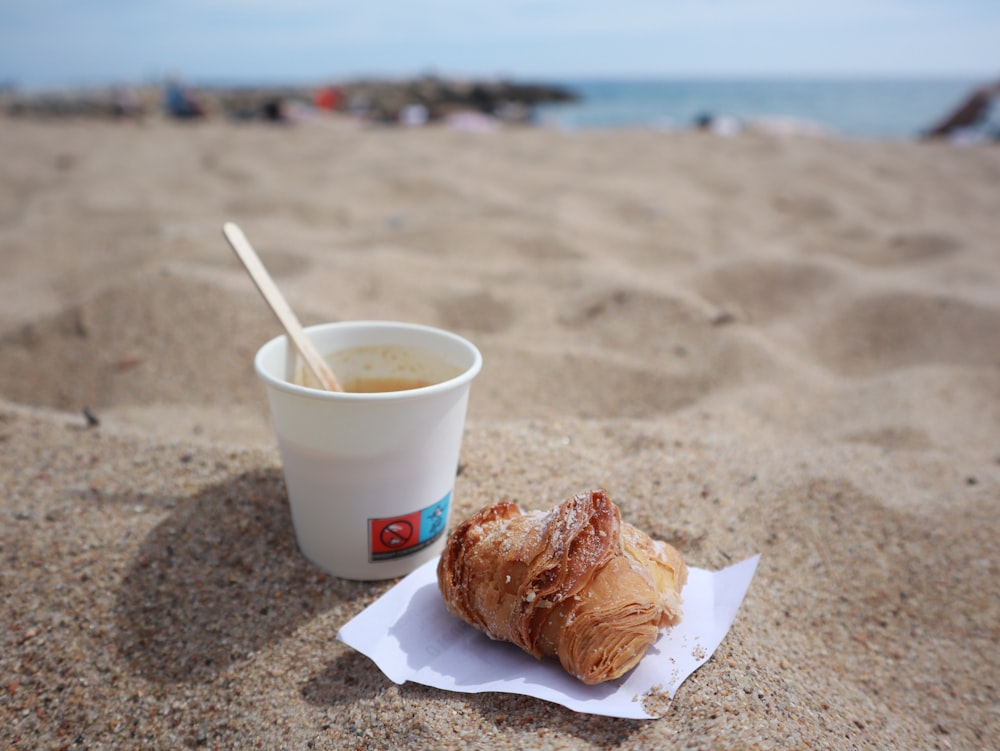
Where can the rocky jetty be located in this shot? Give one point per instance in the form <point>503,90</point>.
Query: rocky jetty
<point>379,100</point>
<point>386,100</point>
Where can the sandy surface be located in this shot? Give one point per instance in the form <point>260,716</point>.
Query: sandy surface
<point>784,346</point>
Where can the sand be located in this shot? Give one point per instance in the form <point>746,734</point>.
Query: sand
<point>788,346</point>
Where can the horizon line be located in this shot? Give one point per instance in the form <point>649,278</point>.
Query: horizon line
<point>299,81</point>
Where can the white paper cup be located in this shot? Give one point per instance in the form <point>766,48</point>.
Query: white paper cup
<point>370,475</point>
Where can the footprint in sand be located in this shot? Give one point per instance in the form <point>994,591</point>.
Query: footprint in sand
<point>805,207</point>
<point>905,247</point>
<point>625,318</point>
<point>766,290</point>
<point>121,348</point>
<point>898,249</point>
<point>630,356</point>
<point>896,329</point>
<point>520,384</point>
<point>478,312</point>
<point>894,437</point>
<point>232,175</point>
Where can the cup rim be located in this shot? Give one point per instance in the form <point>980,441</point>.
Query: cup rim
<point>348,396</point>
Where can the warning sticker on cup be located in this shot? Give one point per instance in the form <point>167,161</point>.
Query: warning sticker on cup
<point>397,536</point>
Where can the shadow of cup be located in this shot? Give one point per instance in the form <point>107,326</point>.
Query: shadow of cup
<point>220,579</point>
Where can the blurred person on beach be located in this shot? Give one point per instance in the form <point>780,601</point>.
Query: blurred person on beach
<point>719,125</point>
<point>180,102</point>
<point>974,118</point>
<point>126,105</point>
<point>329,99</point>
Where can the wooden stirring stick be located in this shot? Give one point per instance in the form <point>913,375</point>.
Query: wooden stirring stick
<point>316,364</point>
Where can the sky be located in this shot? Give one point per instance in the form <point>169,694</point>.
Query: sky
<point>52,43</point>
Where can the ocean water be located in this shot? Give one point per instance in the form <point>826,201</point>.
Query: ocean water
<point>865,108</point>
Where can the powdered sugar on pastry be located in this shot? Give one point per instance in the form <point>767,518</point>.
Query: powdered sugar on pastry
<point>575,583</point>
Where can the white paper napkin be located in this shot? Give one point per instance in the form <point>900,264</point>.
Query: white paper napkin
<point>411,636</point>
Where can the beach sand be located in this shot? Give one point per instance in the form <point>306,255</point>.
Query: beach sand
<point>788,346</point>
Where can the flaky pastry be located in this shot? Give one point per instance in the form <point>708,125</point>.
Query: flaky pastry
<point>576,583</point>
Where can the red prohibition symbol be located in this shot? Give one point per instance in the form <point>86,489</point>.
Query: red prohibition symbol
<point>396,534</point>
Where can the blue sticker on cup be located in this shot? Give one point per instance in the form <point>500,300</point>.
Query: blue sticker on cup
<point>396,536</point>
